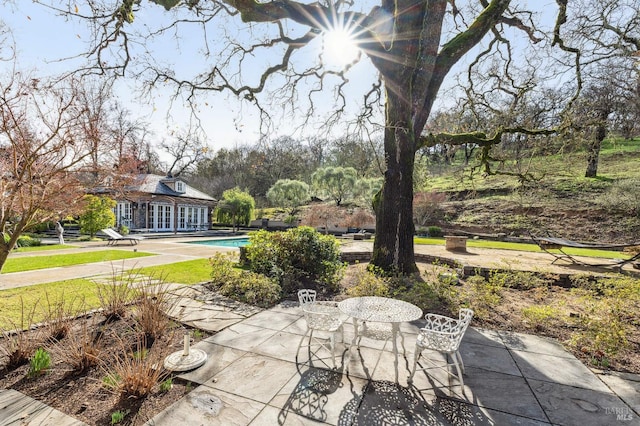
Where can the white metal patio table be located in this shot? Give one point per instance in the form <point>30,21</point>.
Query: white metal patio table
<point>382,310</point>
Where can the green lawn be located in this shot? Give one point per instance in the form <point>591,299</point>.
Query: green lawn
<point>20,264</point>
<point>189,272</point>
<point>606,254</point>
<point>79,293</point>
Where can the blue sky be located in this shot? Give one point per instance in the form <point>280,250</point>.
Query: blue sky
<point>43,39</point>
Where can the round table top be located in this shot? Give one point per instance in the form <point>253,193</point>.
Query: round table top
<point>380,309</point>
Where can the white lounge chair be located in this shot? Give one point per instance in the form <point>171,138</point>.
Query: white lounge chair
<point>114,237</point>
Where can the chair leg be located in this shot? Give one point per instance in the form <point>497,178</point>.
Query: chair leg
<point>457,353</point>
<point>416,356</point>
<point>460,378</point>
<point>333,349</point>
<point>302,340</point>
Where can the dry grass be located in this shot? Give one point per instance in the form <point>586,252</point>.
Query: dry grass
<point>153,302</point>
<point>59,315</point>
<point>19,343</point>
<point>82,348</point>
<point>115,295</point>
<point>134,374</point>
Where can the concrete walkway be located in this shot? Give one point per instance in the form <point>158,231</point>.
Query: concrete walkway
<point>255,375</point>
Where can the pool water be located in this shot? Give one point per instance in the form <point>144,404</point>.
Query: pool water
<point>224,242</point>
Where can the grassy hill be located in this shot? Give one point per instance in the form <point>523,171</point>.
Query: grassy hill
<point>560,200</point>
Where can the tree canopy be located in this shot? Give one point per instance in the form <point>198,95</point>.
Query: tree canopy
<point>505,51</point>
<point>97,214</point>
<point>290,194</point>
<point>236,208</point>
<point>336,183</point>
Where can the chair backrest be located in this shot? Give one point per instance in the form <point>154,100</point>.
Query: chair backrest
<point>111,233</point>
<point>306,296</point>
<point>464,319</point>
<point>465,316</point>
<point>445,333</point>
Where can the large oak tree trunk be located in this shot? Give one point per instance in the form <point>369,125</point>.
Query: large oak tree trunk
<point>393,246</point>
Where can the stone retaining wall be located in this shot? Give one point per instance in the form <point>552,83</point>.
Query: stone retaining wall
<point>562,280</point>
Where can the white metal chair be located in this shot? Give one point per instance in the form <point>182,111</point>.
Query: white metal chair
<point>443,334</point>
<point>321,317</point>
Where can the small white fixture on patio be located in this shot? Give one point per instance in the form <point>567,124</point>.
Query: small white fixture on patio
<point>320,317</point>
<point>443,334</point>
<point>186,359</point>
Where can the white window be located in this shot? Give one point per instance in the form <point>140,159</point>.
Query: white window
<point>203,217</point>
<point>182,217</point>
<point>161,217</point>
<point>123,214</point>
<point>180,187</point>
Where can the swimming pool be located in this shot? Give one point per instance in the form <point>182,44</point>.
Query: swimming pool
<point>224,242</point>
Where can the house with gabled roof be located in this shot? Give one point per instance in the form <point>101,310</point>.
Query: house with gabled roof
<point>154,203</point>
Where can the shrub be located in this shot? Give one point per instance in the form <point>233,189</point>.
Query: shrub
<point>482,296</point>
<point>367,283</point>
<point>539,316</point>
<point>434,231</point>
<point>244,286</point>
<point>427,207</point>
<point>438,287</point>
<point>295,254</point>
<point>28,241</point>
<point>519,280</point>
<point>97,214</point>
<point>623,196</point>
<point>23,240</point>
<point>604,329</point>
<point>123,230</point>
<point>39,363</point>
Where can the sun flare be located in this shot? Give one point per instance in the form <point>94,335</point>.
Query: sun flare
<point>340,47</point>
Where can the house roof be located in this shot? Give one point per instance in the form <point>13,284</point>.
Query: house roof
<point>155,184</point>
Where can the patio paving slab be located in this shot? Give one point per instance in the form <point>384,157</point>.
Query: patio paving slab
<point>567,371</point>
<point>490,358</point>
<point>531,343</point>
<point>626,386</point>
<point>241,336</point>
<point>218,358</point>
<point>502,392</point>
<point>254,376</point>
<point>17,409</point>
<point>207,406</point>
<point>483,337</point>
<point>316,394</point>
<point>270,416</point>
<point>272,320</point>
<point>574,406</point>
<point>282,346</point>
